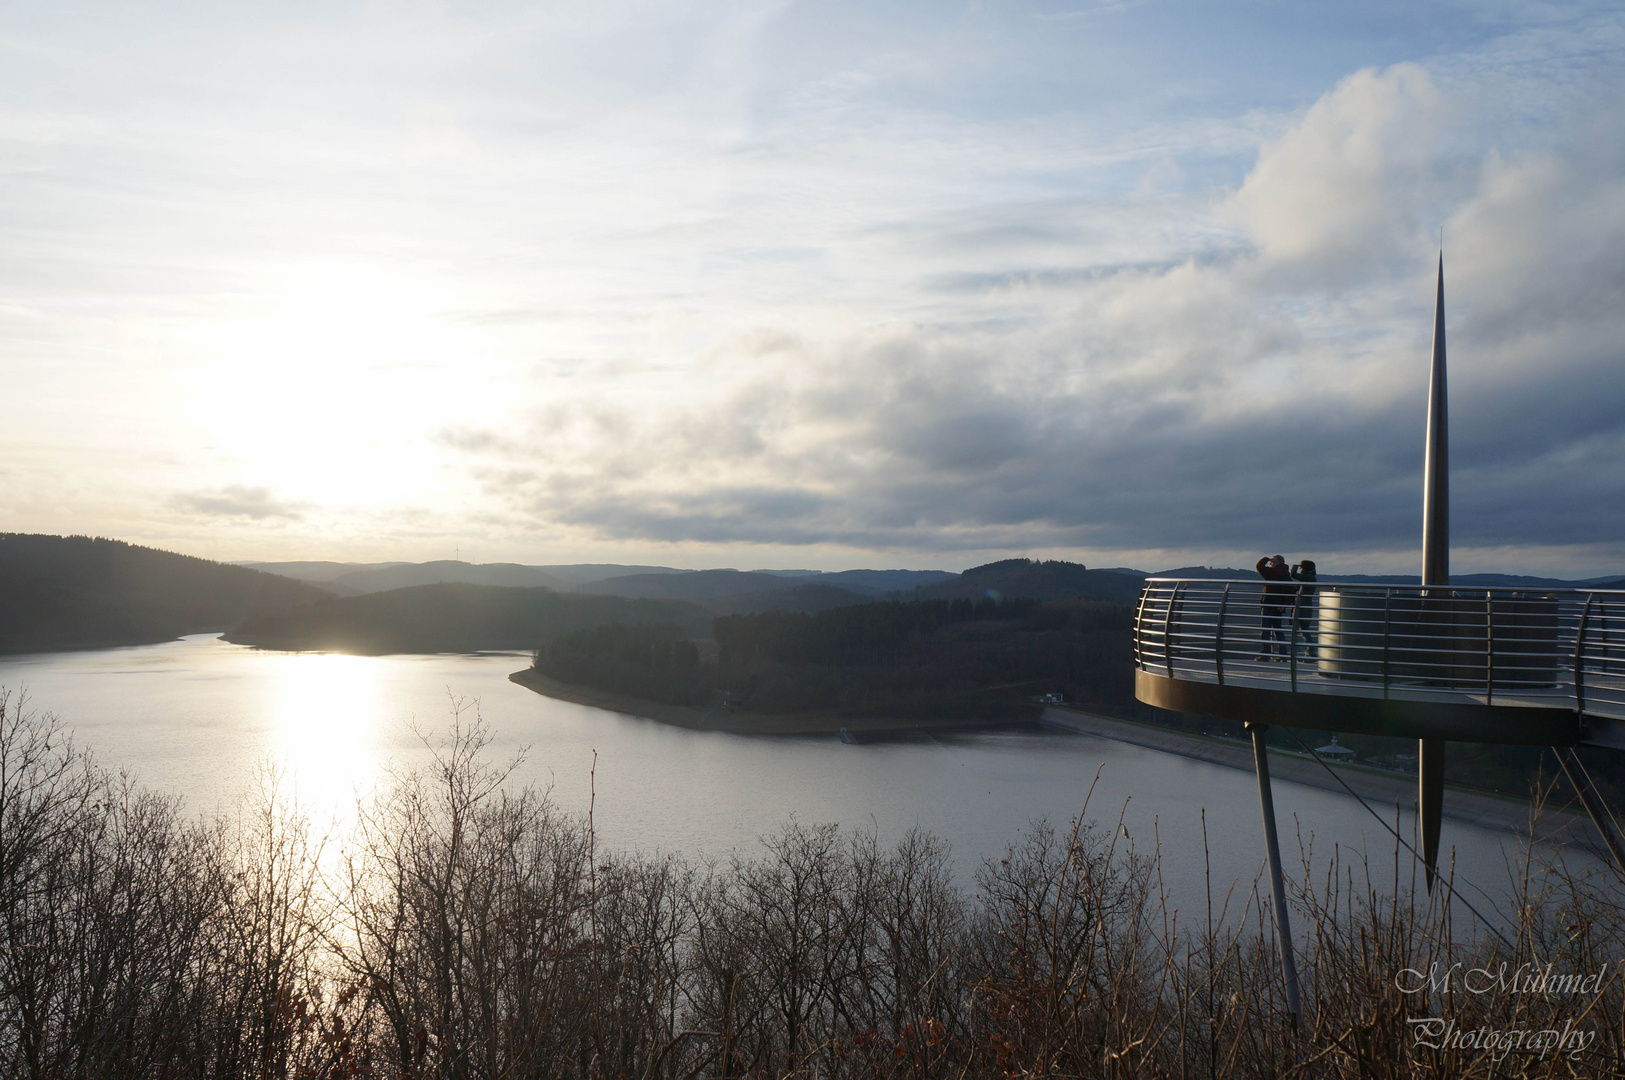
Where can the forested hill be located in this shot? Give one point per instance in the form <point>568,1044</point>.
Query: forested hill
<point>72,592</point>
<point>456,618</point>
<point>922,659</point>
<point>1044,581</point>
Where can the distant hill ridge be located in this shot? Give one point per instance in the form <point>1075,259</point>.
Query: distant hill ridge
<point>458,617</point>
<point>72,592</point>
<point>316,570</point>
<point>455,617</point>
<point>350,579</point>
<point>727,591</point>
<point>694,585</point>
<point>1044,581</point>
<point>723,589</point>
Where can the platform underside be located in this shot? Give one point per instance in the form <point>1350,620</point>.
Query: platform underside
<point>1356,709</point>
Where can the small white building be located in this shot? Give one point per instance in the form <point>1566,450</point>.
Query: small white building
<point>1334,752</point>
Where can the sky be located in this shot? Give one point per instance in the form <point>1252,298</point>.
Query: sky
<point>818,285</point>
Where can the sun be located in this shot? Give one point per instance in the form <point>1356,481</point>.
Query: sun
<point>326,388</point>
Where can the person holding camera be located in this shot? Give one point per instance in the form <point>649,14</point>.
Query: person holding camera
<point>1273,604</point>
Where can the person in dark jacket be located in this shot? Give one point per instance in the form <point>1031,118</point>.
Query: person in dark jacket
<point>1304,571</point>
<point>1273,604</point>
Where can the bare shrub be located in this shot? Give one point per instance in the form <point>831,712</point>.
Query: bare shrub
<point>138,942</point>
<point>280,1012</point>
<point>468,919</point>
<point>475,932</point>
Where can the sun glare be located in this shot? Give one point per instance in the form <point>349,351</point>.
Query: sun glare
<point>325,727</point>
<point>325,391</point>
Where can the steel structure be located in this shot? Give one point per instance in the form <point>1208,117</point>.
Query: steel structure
<point>1536,667</point>
<point>1432,662</point>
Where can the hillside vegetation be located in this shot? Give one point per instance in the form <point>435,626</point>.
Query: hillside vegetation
<point>72,592</point>
<point>921,659</point>
<point>453,618</point>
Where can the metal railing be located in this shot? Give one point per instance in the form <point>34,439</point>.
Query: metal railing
<point>1495,646</point>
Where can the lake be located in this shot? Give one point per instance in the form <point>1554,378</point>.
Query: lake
<point>200,717</point>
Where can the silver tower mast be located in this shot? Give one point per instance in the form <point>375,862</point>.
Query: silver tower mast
<point>1435,571</point>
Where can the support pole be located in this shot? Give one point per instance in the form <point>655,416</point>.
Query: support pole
<point>1272,846</point>
<point>1435,571</point>
<point>1580,780</point>
<point>1430,802</point>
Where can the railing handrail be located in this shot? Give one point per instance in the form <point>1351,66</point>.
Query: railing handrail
<point>1375,586</point>
<point>1513,645</point>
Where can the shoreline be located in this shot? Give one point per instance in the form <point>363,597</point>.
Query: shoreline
<point>740,722</point>
<point>1381,789</point>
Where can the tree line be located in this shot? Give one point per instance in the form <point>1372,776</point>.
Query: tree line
<point>919,658</point>
<point>861,634</point>
<point>469,930</point>
<point>655,661</point>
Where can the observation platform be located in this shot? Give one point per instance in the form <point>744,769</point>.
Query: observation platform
<point>1538,667</point>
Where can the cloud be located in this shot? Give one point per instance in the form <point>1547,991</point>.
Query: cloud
<point>1349,187</point>
<point>235,501</point>
<point>1271,397</point>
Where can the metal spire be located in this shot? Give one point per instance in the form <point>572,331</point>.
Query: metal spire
<point>1436,466</point>
<point>1435,571</point>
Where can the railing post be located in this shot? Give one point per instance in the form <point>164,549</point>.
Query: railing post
<point>1607,621</point>
<point>1579,658</point>
<point>1489,647</point>
<point>1167,628</point>
<point>1218,635</point>
<point>1387,634</point>
<point>1139,627</point>
<point>1292,665</point>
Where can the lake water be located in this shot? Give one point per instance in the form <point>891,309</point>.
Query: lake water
<point>198,717</point>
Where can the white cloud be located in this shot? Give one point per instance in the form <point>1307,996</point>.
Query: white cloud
<point>1348,190</point>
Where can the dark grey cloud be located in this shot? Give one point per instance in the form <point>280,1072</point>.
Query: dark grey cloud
<point>940,454</point>
<point>235,500</point>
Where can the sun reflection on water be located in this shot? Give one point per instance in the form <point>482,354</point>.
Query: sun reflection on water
<point>325,731</point>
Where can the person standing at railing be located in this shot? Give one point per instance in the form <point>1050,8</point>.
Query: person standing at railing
<point>1304,571</point>
<point>1273,604</point>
